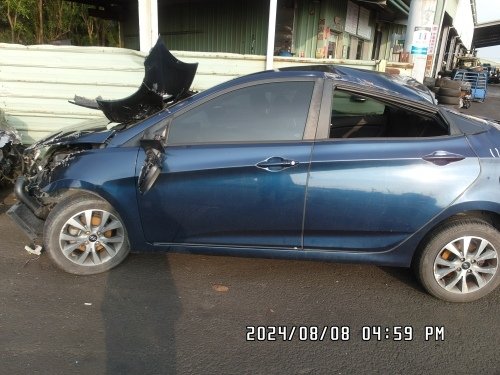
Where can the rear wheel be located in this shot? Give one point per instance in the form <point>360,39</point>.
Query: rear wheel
<point>84,235</point>
<point>459,263</point>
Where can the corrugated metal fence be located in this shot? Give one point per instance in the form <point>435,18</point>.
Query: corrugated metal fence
<point>36,82</point>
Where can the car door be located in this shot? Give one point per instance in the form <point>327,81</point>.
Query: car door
<point>234,169</point>
<point>381,173</point>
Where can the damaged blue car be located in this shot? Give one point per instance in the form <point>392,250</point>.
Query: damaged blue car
<point>323,163</point>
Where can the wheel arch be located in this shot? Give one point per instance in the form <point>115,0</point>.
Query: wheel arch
<point>126,210</point>
<point>456,277</point>
<point>79,240</point>
<point>489,215</point>
<point>66,193</point>
<point>63,188</point>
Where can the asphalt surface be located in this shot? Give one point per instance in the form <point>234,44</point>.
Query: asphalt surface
<point>187,314</point>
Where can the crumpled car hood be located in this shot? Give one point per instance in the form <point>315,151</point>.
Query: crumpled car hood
<point>93,131</point>
<point>166,79</point>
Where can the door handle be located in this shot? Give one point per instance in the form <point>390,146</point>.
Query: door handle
<point>274,164</point>
<point>442,157</point>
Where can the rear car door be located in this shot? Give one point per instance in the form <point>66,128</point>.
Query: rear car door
<point>235,169</point>
<point>380,173</point>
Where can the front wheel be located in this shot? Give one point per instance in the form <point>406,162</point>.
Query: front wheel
<point>84,235</point>
<point>459,263</point>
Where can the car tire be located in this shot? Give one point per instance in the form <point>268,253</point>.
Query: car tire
<point>449,273</point>
<point>448,100</point>
<point>429,81</point>
<point>449,84</point>
<point>455,93</point>
<point>78,241</point>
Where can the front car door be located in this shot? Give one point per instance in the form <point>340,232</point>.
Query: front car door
<point>379,172</point>
<point>235,169</point>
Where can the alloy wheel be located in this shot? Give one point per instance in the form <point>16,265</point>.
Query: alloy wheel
<point>91,237</point>
<point>466,264</point>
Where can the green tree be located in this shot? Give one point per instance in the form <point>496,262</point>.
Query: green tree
<point>18,14</point>
<point>46,21</point>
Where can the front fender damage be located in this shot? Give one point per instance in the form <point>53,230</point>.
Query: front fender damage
<point>41,169</point>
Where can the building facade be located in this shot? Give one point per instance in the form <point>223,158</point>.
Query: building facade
<point>337,29</point>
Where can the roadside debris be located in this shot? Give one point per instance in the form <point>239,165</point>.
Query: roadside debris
<point>220,288</point>
<point>36,251</point>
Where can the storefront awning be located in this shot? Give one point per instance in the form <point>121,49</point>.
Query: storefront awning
<point>486,34</point>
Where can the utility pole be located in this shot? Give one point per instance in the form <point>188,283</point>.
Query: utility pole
<point>148,24</point>
<point>271,32</point>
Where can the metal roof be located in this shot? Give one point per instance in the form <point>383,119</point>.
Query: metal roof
<point>486,34</point>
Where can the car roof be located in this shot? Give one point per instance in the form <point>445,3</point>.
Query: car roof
<point>391,84</point>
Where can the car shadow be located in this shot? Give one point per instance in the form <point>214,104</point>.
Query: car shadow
<point>140,309</point>
<point>405,275</point>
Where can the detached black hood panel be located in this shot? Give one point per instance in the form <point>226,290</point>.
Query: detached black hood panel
<point>165,76</point>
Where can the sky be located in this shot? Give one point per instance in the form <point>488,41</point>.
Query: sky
<point>487,11</point>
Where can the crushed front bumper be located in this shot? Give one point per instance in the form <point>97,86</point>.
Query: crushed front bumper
<point>28,213</point>
<point>31,225</point>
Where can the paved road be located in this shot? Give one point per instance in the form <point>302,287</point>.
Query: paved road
<point>490,107</point>
<point>183,314</point>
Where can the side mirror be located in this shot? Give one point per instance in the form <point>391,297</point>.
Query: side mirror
<point>153,163</point>
<point>155,144</point>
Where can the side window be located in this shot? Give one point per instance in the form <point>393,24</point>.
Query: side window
<point>265,112</point>
<point>356,116</point>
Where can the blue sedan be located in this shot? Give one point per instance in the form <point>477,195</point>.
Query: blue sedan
<point>321,163</point>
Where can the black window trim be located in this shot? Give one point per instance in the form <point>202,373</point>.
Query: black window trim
<point>311,121</point>
<point>323,132</point>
